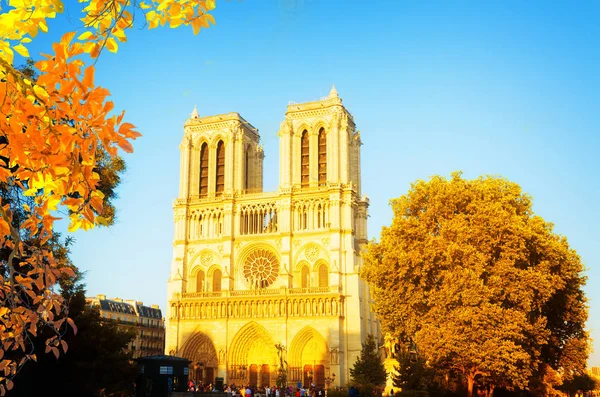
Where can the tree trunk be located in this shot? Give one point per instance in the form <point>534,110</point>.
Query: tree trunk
<point>470,382</point>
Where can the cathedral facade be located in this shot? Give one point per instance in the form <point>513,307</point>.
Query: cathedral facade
<point>257,277</point>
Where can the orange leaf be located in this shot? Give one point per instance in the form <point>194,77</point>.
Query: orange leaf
<point>88,77</point>
<point>72,324</point>
<point>125,145</point>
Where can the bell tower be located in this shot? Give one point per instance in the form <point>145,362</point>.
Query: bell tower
<point>220,155</point>
<point>319,145</point>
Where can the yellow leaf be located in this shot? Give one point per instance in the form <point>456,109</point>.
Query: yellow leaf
<point>21,50</point>
<point>176,22</point>
<point>25,40</point>
<point>111,44</point>
<point>85,35</point>
<point>53,202</point>
<point>120,35</point>
<point>40,92</point>
<point>210,4</point>
<point>43,27</point>
<point>163,5</point>
<point>210,18</point>
<point>74,225</point>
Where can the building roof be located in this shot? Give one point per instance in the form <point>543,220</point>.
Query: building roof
<point>127,307</point>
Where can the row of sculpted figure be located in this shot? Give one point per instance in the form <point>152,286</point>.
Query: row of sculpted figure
<point>258,308</point>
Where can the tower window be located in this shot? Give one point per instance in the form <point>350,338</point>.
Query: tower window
<point>322,157</point>
<point>203,191</point>
<point>304,162</point>
<point>220,171</point>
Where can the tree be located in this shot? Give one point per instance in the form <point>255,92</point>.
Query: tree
<point>368,370</point>
<point>579,384</point>
<point>412,372</point>
<point>481,284</point>
<point>96,363</point>
<point>56,132</point>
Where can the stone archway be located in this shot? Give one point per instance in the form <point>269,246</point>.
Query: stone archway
<point>200,350</point>
<point>308,357</point>
<point>251,356</point>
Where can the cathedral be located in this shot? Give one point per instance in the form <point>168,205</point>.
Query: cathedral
<point>264,282</point>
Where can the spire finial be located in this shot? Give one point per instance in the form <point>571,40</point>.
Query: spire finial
<point>194,114</point>
<point>333,93</point>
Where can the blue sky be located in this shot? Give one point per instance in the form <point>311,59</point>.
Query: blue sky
<point>496,87</point>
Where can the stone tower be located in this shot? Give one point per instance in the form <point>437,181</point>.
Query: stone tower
<point>255,275</point>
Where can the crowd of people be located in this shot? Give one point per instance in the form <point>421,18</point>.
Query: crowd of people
<point>252,391</point>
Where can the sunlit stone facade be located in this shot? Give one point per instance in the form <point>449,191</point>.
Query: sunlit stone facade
<point>253,269</point>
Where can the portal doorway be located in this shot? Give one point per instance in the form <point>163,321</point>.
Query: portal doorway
<point>265,375</point>
<point>253,375</point>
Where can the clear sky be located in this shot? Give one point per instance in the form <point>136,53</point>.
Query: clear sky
<point>487,87</point>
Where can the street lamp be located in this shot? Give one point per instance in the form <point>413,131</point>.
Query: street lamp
<point>328,381</point>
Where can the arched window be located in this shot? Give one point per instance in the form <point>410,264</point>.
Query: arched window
<point>200,281</point>
<point>305,277</point>
<point>216,280</point>
<point>322,157</point>
<point>220,171</point>
<point>323,275</point>
<point>304,160</point>
<point>203,191</point>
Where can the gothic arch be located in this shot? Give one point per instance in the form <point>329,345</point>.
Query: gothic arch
<point>317,125</point>
<point>215,274</point>
<point>300,129</point>
<point>200,348</point>
<point>302,274</point>
<point>308,346</point>
<point>214,140</point>
<point>252,344</point>
<point>321,271</point>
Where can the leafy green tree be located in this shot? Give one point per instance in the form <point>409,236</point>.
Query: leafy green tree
<point>368,370</point>
<point>412,372</point>
<point>480,283</point>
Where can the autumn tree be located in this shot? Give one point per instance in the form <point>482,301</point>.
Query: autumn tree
<point>368,370</point>
<point>481,284</point>
<point>96,363</point>
<point>58,133</point>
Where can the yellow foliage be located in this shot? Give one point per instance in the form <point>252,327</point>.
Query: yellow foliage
<point>478,282</point>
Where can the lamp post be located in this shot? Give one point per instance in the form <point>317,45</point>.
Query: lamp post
<point>328,381</point>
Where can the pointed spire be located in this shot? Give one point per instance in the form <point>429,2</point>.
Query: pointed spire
<point>333,93</point>
<point>194,114</point>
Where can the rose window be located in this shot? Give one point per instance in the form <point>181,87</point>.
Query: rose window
<point>261,268</point>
